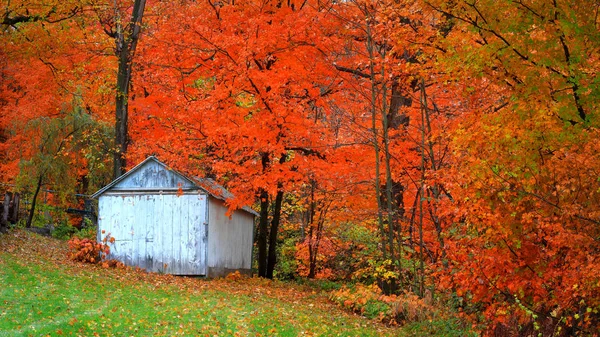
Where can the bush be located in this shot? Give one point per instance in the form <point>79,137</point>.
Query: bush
<point>419,315</point>
<point>87,233</point>
<point>63,231</point>
<point>86,250</point>
<point>319,284</point>
<point>235,276</point>
<point>449,327</point>
<point>89,251</point>
<point>364,300</point>
<point>286,266</point>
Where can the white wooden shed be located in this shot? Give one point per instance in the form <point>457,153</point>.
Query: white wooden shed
<point>165,222</point>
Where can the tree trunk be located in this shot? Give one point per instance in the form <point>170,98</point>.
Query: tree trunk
<point>433,194</point>
<point>272,259</point>
<point>125,48</point>
<point>261,240</point>
<point>373,107</point>
<point>314,248</point>
<point>311,226</point>
<point>312,265</point>
<point>391,210</point>
<point>33,202</point>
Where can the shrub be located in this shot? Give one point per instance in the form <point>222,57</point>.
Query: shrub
<point>409,307</point>
<point>441,326</point>
<point>87,233</point>
<point>63,231</point>
<point>86,250</point>
<point>419,315</point>
<point>286,266</point>
<point>235,276</point>
<point>364,300</point>
<point>320,284</point>
<point>89,251</point>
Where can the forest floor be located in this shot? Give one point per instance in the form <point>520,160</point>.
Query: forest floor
<point>43,293</point>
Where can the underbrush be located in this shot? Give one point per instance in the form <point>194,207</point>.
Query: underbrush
<point>419,316</point>
<point>65,231</point>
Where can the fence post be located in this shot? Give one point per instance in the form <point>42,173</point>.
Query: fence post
<point>14,215</point>
<point>5,209</point>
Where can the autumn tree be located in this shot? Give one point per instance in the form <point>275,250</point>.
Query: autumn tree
<point>233,91</point>
<point>55,143</point>
<point>53,58</point>
<point>525,182</point>
<point>389,54</point>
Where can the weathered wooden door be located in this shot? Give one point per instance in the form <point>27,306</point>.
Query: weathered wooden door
<point>164,233</point>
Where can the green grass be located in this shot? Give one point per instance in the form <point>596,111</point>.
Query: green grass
<point>42,293</point>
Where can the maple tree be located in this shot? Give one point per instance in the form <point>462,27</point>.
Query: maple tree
<point>248,112</point>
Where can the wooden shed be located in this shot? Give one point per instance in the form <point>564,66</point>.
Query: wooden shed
<point>165,222</point>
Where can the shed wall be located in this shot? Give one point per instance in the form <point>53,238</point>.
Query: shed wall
<point>158,232</point>
<point>230,240</point>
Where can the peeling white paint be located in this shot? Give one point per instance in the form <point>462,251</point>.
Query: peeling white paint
<point>165,222</point>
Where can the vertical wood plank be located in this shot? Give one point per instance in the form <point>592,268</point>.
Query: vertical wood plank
<point>114,229</point>
<point>158,240</point>
<point>167,233</point>
<point>144,233</point>
<point>185,236</point>
<point>201,234</point>
<point>101,214</point>
<point>131,222</point>
<point>176,225</point>
<point>192,235</point>
<point>120,229</point>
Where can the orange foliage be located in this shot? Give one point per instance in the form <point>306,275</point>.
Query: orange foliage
<point>90,251</point>
<point>493,152</point>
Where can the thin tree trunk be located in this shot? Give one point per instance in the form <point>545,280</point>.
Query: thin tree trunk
<point>317,244</point>
<point>422,190</point>
<point>272,259</point>
<point>312,269</point>
<point>435,192</point>
<point>370,47</point>
<point>411,221</point>
<point>34,200</point>
<point>310,223</point>
<point>125,47</point>
<point>391,214</point>
<point>311,265</point>
<point>262,233</point>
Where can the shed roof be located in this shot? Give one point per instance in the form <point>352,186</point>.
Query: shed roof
<point>207,185</point>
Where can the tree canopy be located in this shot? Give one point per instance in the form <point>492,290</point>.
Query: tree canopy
<point>418,145</point>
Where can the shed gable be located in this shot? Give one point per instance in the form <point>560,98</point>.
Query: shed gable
<point>152,175</point>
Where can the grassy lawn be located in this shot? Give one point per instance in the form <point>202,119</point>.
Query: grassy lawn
<point>43,293</point>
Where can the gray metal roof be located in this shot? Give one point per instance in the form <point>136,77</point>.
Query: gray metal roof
<point>207,185</point>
